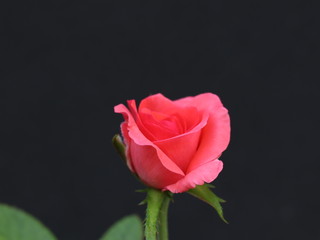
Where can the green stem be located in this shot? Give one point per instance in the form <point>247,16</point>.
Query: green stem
<point>154,203</point>
<point>163,219</point>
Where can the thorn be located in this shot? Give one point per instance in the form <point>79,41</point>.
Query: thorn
<point>142,190</point>
<point>143,202</point>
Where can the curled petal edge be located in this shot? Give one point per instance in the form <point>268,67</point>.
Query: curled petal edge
<point>206,173</point>
<point>136,135</point>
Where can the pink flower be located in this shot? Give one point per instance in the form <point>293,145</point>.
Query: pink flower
<point>175,145</point>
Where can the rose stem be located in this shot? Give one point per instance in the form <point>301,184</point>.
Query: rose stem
<point>163,219</point>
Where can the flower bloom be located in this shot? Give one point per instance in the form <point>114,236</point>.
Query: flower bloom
<point>175,145</point>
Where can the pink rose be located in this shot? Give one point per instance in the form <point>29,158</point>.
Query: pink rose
<point>175,145</point>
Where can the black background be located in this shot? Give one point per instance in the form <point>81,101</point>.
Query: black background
<point>66,64</point>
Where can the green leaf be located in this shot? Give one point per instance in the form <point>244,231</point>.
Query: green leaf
<point>205,194</point>
<point>16,224</point>
<point>119,146</point>
<point>127,228</point>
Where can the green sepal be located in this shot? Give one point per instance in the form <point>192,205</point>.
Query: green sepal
<point>210,185</point>
<point>127,228</point>
<point>204,193</point>
<point>119,146</point>
<point>121,150</point>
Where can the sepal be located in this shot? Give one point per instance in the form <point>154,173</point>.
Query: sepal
<point>204,193</point>
<point>119,146</point>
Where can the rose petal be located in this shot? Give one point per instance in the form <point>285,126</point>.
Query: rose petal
<point>203,174</point>
<point>124,131</point>
<point>214,139</point>
<point>204,101</point>
<point>136,135</point>
<point>181,149</point>
<point>216,134</point>
<point>158,124</point>
<point>150,170</point>
<point>166,119</point>
<point>136,117</point>
<point>158,103</point>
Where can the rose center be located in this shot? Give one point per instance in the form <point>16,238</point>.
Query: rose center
<point>161,126</point>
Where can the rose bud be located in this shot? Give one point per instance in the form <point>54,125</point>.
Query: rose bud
<point>175,145</point>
